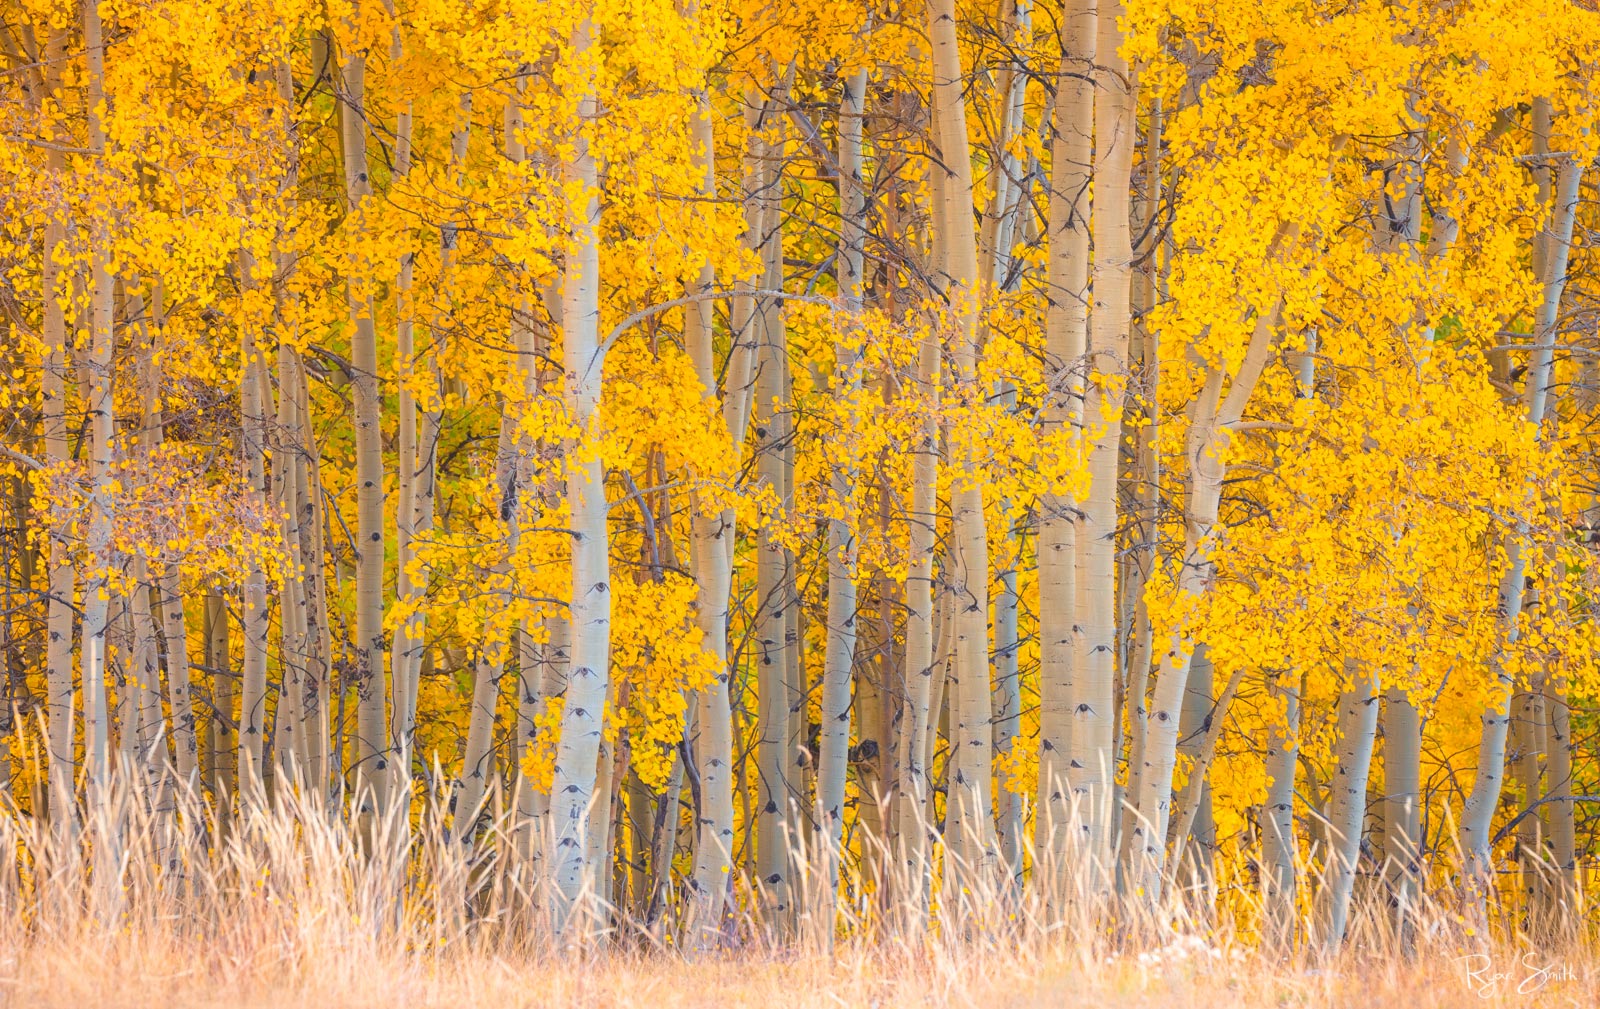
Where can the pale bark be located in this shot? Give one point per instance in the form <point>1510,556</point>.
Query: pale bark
<point>1066,339</point>
<point>711,557</point>
<point>528,348</point>
<point>590,605</point>
<point>146,740</point>
<point>1010,804</point>
<point>1212,417</point>
<point>834,744</point>
<point>59,696</point>
<point>291,734</point>
<point>1528,726</point>
<point>973,744</point>
<point>102,429</point>
<point>999,227</point>
<point>921,690</point>
<point>995,245</point>
<point>256,616</point>
<point>405,657</point>
<point>1477,812</point>
<point>1358,725</point>
<point>1559,805</point>
<point>1147,289</point>
<point>1091,771</point>
<point>916,723</point>
<point>1200,720</point>
<point>372,730</point>
<point>1402,814</point>
<point>1279,847</point>
<point>477,761</point>
<point>223,739</point>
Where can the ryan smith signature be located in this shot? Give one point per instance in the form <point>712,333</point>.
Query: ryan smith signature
<point>1524,976</point>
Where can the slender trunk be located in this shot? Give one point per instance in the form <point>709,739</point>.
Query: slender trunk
<point>223,738</point>
<point>1358,725</point>
<point>1091,770</point>
<point>372,729</point>
<point>1196,831</point>
<point>1213,416</point>
<point>996,238</point>
<point>477,762</point>
<point>1559,804</point>
<point>970,782</point>
<point>915,815</point>
<point>583,360</point>
<point>778,708</point>
<point>1008,709</point>
<point>599,841</point>
<point>291,745</point>
<point>102,429</point>
<point>834,744</point>
<point>1528,752</point>
<point>1139,638</point>
<point>147,740</point>
<point>711,533</point>
<point>1066,340</point>
<point>257,617</point>
<point>1402,814</point>
<point>405,658</point>
<point>63,573</point>
<point>1478,811</point>
<point>1279,849</point>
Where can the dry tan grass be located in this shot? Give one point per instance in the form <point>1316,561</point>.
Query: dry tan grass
<point>288,910</point>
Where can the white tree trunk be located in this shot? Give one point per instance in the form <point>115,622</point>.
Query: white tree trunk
<point>1066,339</point>
<point>1358,725</point>
<point>588,682</point>
<point>1091,771</point>
<point>372,729</point>
<point>775,694</point>
<point>1279,848</point>
<point>1402,814</point>
<point>838,661</point>
<point>102,428</point>
<point>1206,445</point>
<point>970,778</point>
<point>1477,813</point>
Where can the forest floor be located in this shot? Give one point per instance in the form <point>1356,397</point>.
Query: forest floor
<point>1186,974</point>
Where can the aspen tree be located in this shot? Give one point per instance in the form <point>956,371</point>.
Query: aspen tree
<point>996,240</point>
<point>534,657</point>
<point>372,730</point>
<point>583,358</point>
<point>1195,832</point>
<point>1148,287</point>
<point>1279,841</point>
<point>1091,768</point>
<point>1401,721</point>
<point>1279,855</point>
<point>1478,810</point>
<point>489,661</point>
<point>405,655</point>
<point>973,743</point>
<point>1402,814</point>
<point>293,732</point>
<point>256,618</point>
<point>53,388</point>
<point>102,428</point>
<point>1066,340</point>
<point>842,598</point>
<point>711,534</point>
<point>1358,724</point>
<point>923,686</point>
<point>753,387</point>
